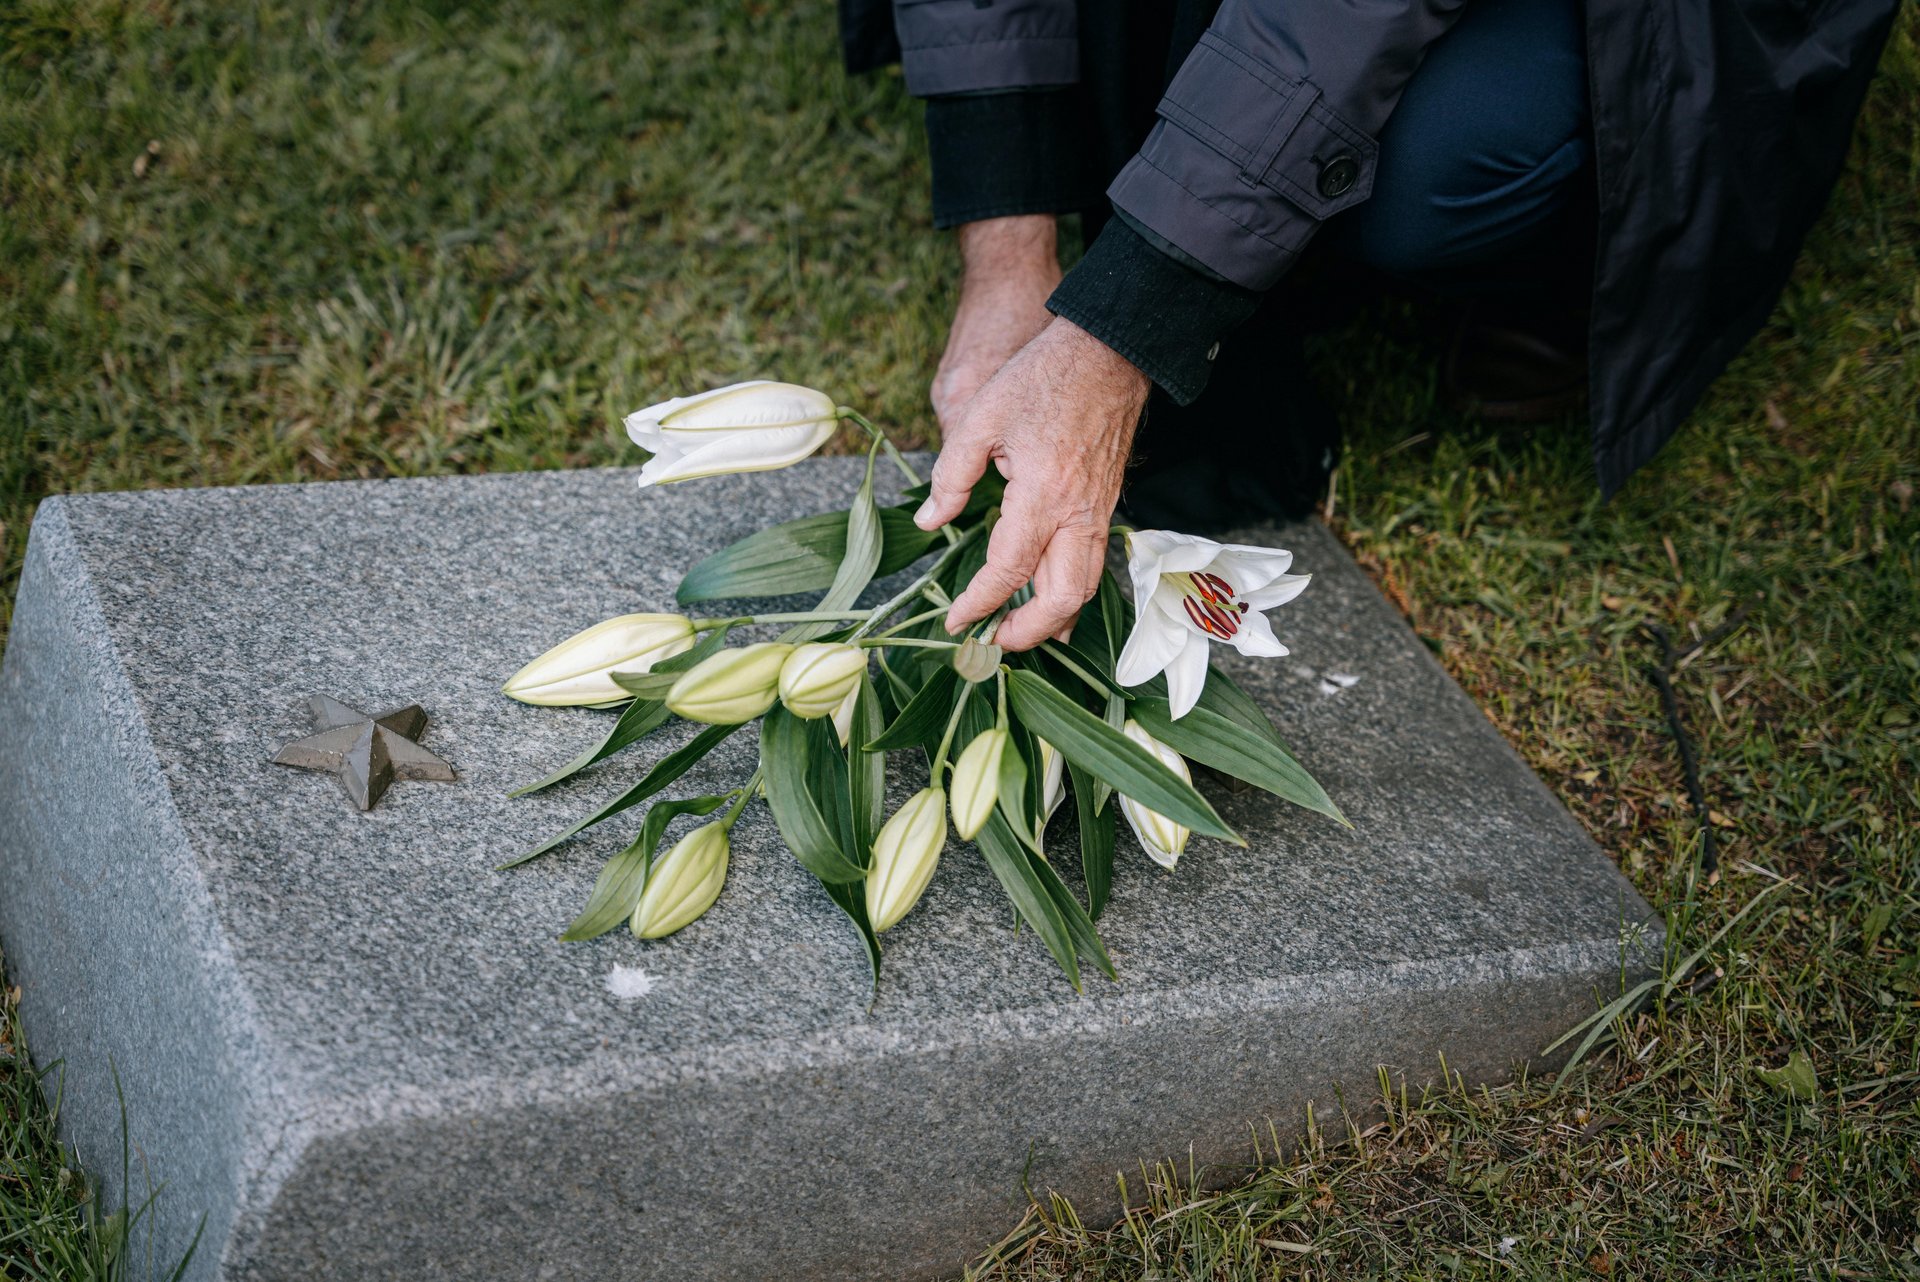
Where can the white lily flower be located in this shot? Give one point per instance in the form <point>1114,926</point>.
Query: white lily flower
<point>1161,837</point>
<point>731,687</point>
<point>579,671</point>
<point>1053,783</point>
<point>904,856</point>
<point>745,427</point>
<point>1190,592</point>
<point>843,716</point>
<point>818,678</point>
<point>976,782</point>
<point>684,884</point>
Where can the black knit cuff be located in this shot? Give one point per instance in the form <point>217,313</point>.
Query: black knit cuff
<point>996,155</point>
<point>1145,304</point>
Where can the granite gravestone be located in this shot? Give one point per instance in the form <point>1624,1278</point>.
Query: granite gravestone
<point>362,1053</point>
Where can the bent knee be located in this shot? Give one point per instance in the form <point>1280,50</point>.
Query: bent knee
<point>1470,210</point>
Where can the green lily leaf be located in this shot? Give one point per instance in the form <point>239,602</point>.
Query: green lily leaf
<point>1012,864</point>
<point>1087,741</point>
<point>866,771</point>
<point>1231,747</point>
<point>801,556</point>
<point>1015,801</point>
<point>851,898</point>
<point>1096,840</point>
<point>809,832</point>
<point>857,564</point>
<point>670,768</point>
<point>989,491</point>
<point>924,717</point>
<point>646,685</point>
<point>1086,939</point>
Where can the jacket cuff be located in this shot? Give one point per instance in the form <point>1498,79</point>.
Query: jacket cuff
<point>962,46</point>
<point>1242,190</point>
<point>997,155</point>
<point>1157,312</point>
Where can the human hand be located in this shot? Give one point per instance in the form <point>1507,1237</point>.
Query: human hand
<point>1058,421</point>
<point>1011,266</point>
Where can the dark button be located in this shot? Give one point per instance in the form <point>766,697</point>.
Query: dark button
<point>1338,175</point>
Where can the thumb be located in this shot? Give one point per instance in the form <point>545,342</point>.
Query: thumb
<point>963,459</point>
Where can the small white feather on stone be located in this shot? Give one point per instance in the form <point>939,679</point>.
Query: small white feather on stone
<point>629,983</point>
<point>1335,682</point>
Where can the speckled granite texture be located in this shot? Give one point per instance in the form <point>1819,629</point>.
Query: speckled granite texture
<point>362,1053</point>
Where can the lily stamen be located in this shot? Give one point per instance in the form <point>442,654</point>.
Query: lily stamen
<point>1211,603</point>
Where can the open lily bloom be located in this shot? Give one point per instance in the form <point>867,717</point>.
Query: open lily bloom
<point>1189,592</point>
<point>746,427</point>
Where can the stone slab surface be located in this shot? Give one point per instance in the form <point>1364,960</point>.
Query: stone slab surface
<point>361,1053</point>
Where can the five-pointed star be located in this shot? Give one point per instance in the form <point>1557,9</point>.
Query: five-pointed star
<point>365,753</point>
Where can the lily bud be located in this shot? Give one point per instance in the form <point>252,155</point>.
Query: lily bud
<point>904,856</point>
<point>1053,769</point>
<point>843,716</point>
<point>817,677</point>
<point>1162,838</point>
<point>746,427</point>
<point>683,885</point>
<point>579,671</point>
<point>976,782</point>
<point>732,686</point>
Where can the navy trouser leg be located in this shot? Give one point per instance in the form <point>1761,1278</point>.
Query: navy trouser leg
<point>1483,153</point>
<point>1478,163</point>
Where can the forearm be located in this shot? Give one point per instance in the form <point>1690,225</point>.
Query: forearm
<point>1015,252</point>
<point>1008,268</point>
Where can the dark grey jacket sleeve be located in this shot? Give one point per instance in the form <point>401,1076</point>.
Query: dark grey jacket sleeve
<point>1269,127</point>
<point>961,46</point>
<point>1267,130</point>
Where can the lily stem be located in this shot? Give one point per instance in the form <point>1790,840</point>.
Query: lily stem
<point>889,608</point>
<point>803,616</point>
<point>946,742</point>
<point>746,794</point>
<point>922,643</point>
<point>922,617</point>
<point>906,469</point>
<point>1060,652</point>
<point>899,460</point>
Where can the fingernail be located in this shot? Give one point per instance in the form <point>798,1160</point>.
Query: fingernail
<point>925,513</point>
<point>1064,635</point>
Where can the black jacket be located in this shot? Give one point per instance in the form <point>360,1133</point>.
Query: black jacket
<point>1719,129</point>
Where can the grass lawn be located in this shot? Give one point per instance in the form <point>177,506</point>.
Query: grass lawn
<point>278,241</point>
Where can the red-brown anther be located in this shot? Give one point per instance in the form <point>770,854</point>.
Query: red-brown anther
<point>1212,604</point>
<point>1202,621</point>
<point>1214,588</point>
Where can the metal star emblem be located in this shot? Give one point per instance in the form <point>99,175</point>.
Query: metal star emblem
<point>365,753</point>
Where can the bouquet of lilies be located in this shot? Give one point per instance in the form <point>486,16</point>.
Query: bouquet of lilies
<point>1118,710</point>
